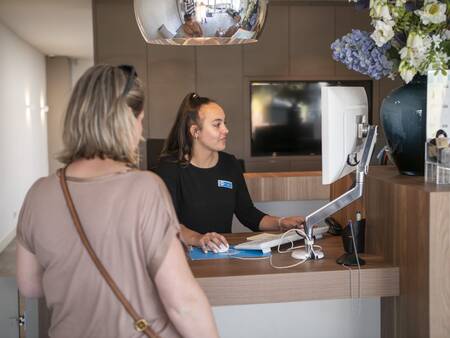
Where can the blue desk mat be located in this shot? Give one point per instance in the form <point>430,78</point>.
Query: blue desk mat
<point>197,254</point>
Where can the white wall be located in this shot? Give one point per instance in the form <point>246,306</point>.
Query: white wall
<point>23,126</point>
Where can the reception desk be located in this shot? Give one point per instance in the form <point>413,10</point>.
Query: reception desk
<point>408,222</point>
<point>234,281</point>
<point>314,299</point>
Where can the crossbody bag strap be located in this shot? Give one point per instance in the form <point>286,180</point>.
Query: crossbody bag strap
<point>140,324</point>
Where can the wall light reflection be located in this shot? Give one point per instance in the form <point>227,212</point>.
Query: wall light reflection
<point>27,108</point>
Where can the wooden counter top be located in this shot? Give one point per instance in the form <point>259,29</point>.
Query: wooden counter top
<point>390,174</point>
<point>234,281</point>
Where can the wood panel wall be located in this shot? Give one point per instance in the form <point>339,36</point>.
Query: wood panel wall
<point>295,45</point>
<point>292,186</point>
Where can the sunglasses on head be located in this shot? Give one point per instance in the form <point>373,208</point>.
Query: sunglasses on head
<point>131,74</point>
<point>195,98</point>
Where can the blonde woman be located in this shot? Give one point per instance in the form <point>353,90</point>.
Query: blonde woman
<point>128,218</point>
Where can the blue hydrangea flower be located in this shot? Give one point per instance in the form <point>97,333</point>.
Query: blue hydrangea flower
<point>360,53</point>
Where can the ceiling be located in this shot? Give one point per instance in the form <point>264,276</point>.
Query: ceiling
<point>54,27</point>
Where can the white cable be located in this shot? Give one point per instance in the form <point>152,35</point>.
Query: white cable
<point>301,233</point>
<point>286,266</point>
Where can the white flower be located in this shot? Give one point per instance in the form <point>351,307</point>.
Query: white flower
<point>432,12</point>
<point>443,58</point>
<point>405,53</point>
<point>383,33</point>
<point>440,61</point>
<point>426,30</point>
<point>416,50</point>
<point>380,10</point>
<point>415,40</point>
<point>406,71</point>
<point>447,34</point>
<point>437,39</point>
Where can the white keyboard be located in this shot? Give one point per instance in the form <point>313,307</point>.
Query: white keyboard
<point>265,244</point>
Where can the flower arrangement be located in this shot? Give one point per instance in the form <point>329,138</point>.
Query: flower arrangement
<point>409,38</point>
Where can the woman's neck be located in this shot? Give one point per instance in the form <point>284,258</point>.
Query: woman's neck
<point>95,167</point>
<point>204,159</point>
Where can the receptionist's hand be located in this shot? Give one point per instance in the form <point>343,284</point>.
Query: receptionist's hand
<point>212,241</point>
<point>292,222</point>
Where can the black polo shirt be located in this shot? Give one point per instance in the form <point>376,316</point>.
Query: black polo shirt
<point>206,199</point>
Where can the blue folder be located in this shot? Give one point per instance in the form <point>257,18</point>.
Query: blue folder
<point>197,254</point>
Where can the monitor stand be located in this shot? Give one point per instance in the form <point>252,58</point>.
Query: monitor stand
<point>302,254</point>
<point>370,136</point>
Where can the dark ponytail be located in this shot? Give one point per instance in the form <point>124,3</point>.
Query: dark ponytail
<point>178,146</point>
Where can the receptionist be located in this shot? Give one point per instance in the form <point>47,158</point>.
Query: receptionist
<point>206,184</point>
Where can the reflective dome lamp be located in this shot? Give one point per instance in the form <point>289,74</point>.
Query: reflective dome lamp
<point>200,22</point>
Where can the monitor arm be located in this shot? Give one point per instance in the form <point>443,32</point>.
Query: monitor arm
<point>370,134</point>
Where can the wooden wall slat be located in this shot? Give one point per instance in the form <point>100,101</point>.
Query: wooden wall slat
<point>171,75</point>
<point>287,188</point>
<point>309,54</point>
<point>219,76</point>
<point>270,56</point>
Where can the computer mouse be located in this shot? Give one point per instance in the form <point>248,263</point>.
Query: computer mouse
<point>223,248</point>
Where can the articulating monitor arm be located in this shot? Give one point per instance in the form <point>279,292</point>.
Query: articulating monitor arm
<point>345,199</point>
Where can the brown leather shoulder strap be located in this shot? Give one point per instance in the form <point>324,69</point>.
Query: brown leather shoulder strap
<point>140,324</point>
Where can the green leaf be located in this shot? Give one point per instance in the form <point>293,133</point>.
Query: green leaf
<point>446,46</point>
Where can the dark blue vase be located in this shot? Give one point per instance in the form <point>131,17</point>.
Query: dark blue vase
<point>403,117</point>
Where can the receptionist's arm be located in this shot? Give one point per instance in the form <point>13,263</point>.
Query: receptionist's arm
<point>210,241</point>
<point>253,218</point>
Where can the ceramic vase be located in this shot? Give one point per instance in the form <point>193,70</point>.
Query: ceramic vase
<point>403,117</point>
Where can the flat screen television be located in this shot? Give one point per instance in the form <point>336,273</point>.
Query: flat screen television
<point>286,116</point>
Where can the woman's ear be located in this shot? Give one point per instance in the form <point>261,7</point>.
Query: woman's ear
<point>194,131</point>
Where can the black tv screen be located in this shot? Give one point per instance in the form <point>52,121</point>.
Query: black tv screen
<point>286,116</point>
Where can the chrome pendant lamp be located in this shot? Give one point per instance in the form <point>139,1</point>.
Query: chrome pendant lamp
<point>200,22</point>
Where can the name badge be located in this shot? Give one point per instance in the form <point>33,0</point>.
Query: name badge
<point>225,184</point>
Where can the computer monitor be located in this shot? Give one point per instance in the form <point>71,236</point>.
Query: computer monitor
<point>343,110</point>
<point>347,145</point>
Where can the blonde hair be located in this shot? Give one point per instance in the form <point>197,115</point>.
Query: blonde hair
<point>101,116</point>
